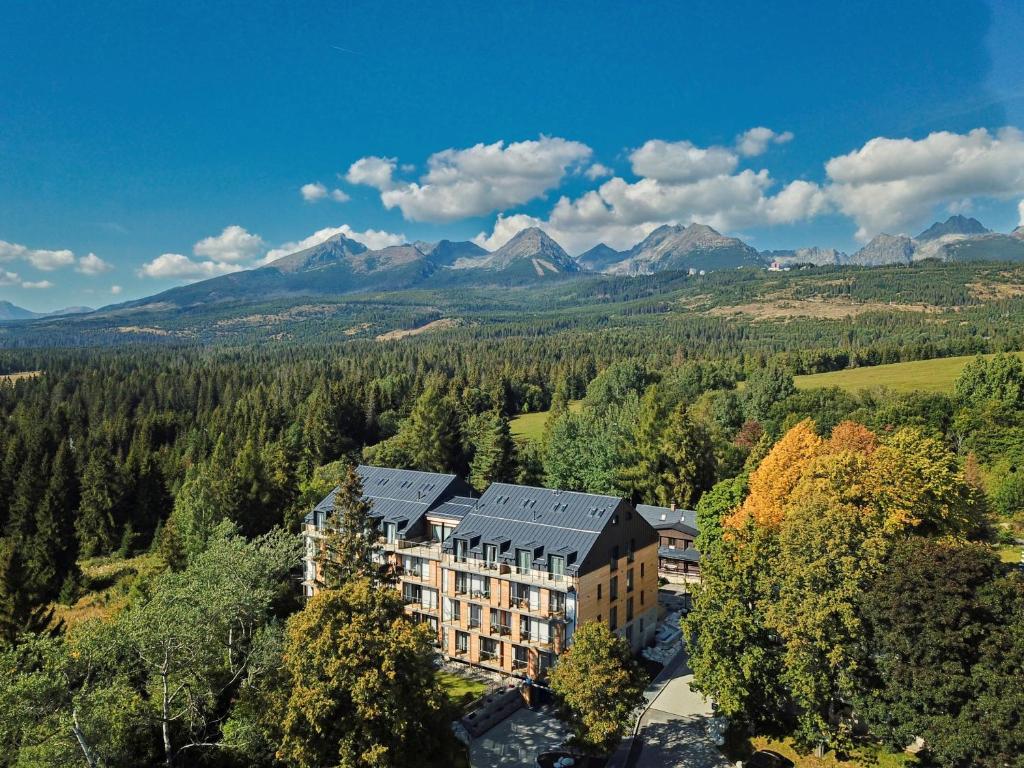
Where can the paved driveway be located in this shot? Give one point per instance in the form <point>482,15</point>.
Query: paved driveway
<point>516,741</point>
<point>672,730</point>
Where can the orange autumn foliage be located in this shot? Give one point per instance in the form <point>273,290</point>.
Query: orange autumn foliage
<point>776,477</point>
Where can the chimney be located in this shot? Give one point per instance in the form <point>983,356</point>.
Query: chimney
<point>673,506</point>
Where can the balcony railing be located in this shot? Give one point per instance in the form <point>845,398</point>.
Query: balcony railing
<point>520,666</point>
<point>490,657</point>
<point>528,575</point>
<point>500,629</point>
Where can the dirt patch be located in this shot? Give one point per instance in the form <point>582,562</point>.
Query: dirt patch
<point>995,291</point>
<point>435,325</point>
<point>825,309</point>
<point>13,377</point>
<point>357,329</point>
<point>142,329</point>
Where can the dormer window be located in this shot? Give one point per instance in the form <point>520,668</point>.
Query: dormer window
<point>524,559</point>
<point>556,567</point>
<point>490,555</point>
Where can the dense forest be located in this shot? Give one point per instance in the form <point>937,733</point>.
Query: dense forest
<point>198,452</point>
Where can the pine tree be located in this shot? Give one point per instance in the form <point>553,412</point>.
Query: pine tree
<point>641,478</point>
<point>432,433</point>
<point>97,525</point>
<point>53,554</point>
<point>351,535</point>
<point>494,452</point>
<point>688,461</point>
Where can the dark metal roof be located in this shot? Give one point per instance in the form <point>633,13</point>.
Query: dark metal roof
<point>689,555</point>
<point>455,507</point>
<point>399,496</point>
<point>662,518</point>
<point>538,519</point>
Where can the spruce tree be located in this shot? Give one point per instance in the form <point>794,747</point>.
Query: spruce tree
<point>432,433</point>
<point>351,545</point>
<point>97,525</point>
<point>688,458</point>
<point>494,452</point>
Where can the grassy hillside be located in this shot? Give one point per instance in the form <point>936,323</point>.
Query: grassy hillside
<point>937,375</point>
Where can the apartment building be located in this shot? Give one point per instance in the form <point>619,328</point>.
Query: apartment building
<point>504,580</point>
<point>678,558</point>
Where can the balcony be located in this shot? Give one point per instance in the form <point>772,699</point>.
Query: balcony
<point>425,549</point>
<point>490,657</point>
<point>520,666</point>
<point>500,629</point>
<point>526,575</point>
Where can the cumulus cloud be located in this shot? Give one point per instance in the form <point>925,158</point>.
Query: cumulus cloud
<point>374,239</point>
<point>461,183</point>
<point>179,266</point>
<point>9,278</point>
<point>681,161</point>
<point>91,264</point>
<point>48,261</point>
<point>116,290</point>
<point>41,284</point>
<point>755,141</point>
<point>597,171</point>
<point>315,191</point>
<point>892,184</point>
<point>231,246</point>
<point>373,172</point>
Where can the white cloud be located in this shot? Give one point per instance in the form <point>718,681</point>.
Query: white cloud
<point>42,284</point>
<point>681,161</point>
<point>179,266</point>
<point>598,171</point>
<point>755,141</point>
<point>461,183</point>
<point>48,261</point>
<point>233,245</point>
<point>505,228</point>
<point>374,239</point>
<point>116,290</point>
<point>9,278</point>
<point>373,172</point>
<point>893,184</point>
<point>91,264</point>
<point>313,191</point>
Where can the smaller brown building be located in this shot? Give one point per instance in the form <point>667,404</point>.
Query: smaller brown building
<point>678,558</point>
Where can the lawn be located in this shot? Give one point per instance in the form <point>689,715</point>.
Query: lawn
<point>530,426</point>
<point>461,690</point>
<point>936,375</point>
<point>866,755</point>
<point>106,582</point>
<point>1011,553</point>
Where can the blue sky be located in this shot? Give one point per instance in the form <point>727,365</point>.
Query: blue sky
<point>145,144</point>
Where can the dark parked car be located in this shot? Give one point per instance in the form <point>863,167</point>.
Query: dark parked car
<point>766,758</point>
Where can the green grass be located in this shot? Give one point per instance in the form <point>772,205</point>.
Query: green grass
<point>461,690</point>
<point>1010,553</point>
<point>530,426</point>
<point>863,755</point>
<point>936,375</point>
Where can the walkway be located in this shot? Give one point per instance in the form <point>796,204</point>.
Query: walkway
<point>516,741</point>
<point>672,729</point>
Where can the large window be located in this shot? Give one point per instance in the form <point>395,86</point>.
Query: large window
<point>490,650</point>
<point>613,618</point>
<point>490,555</point>
<point>524,558</point>
<point>390,533</point>
<point>556,602</point>
<point>461,642</point>
<point>474,616</point>
<point>629,580</point>
<point>556,567</point>
<point>613,588</point>
<point>461,548</point>
<point>472,584</point>
<point>520,657</point>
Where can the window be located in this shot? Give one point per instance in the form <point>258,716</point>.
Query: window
<point>520,657</point>
<point>520,595</point>
<point>614,558</point>
<point>641,597</point>
<point>613,618</point>
<point>490,650</point>
<point>390,533</point>
<point>598,591</point>
<point>461,643</point>
<point>523,560</point>
<point>490,555</point>
<point>436,533</point>
<point>524,629</point>
<point>629,634</point>
<point>474,616</point>
<point>629,580</point>
<point>613,588</point>
<point>631,551</point>
<point>629,609</point>
<point>461,547</point>
<point>456,610</point>
<point>556,602</point>
<point>544,661</point>
<point>641,570</point>
<point>556,567</point>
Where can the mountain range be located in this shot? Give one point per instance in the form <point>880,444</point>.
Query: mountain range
<point>341,265</point>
